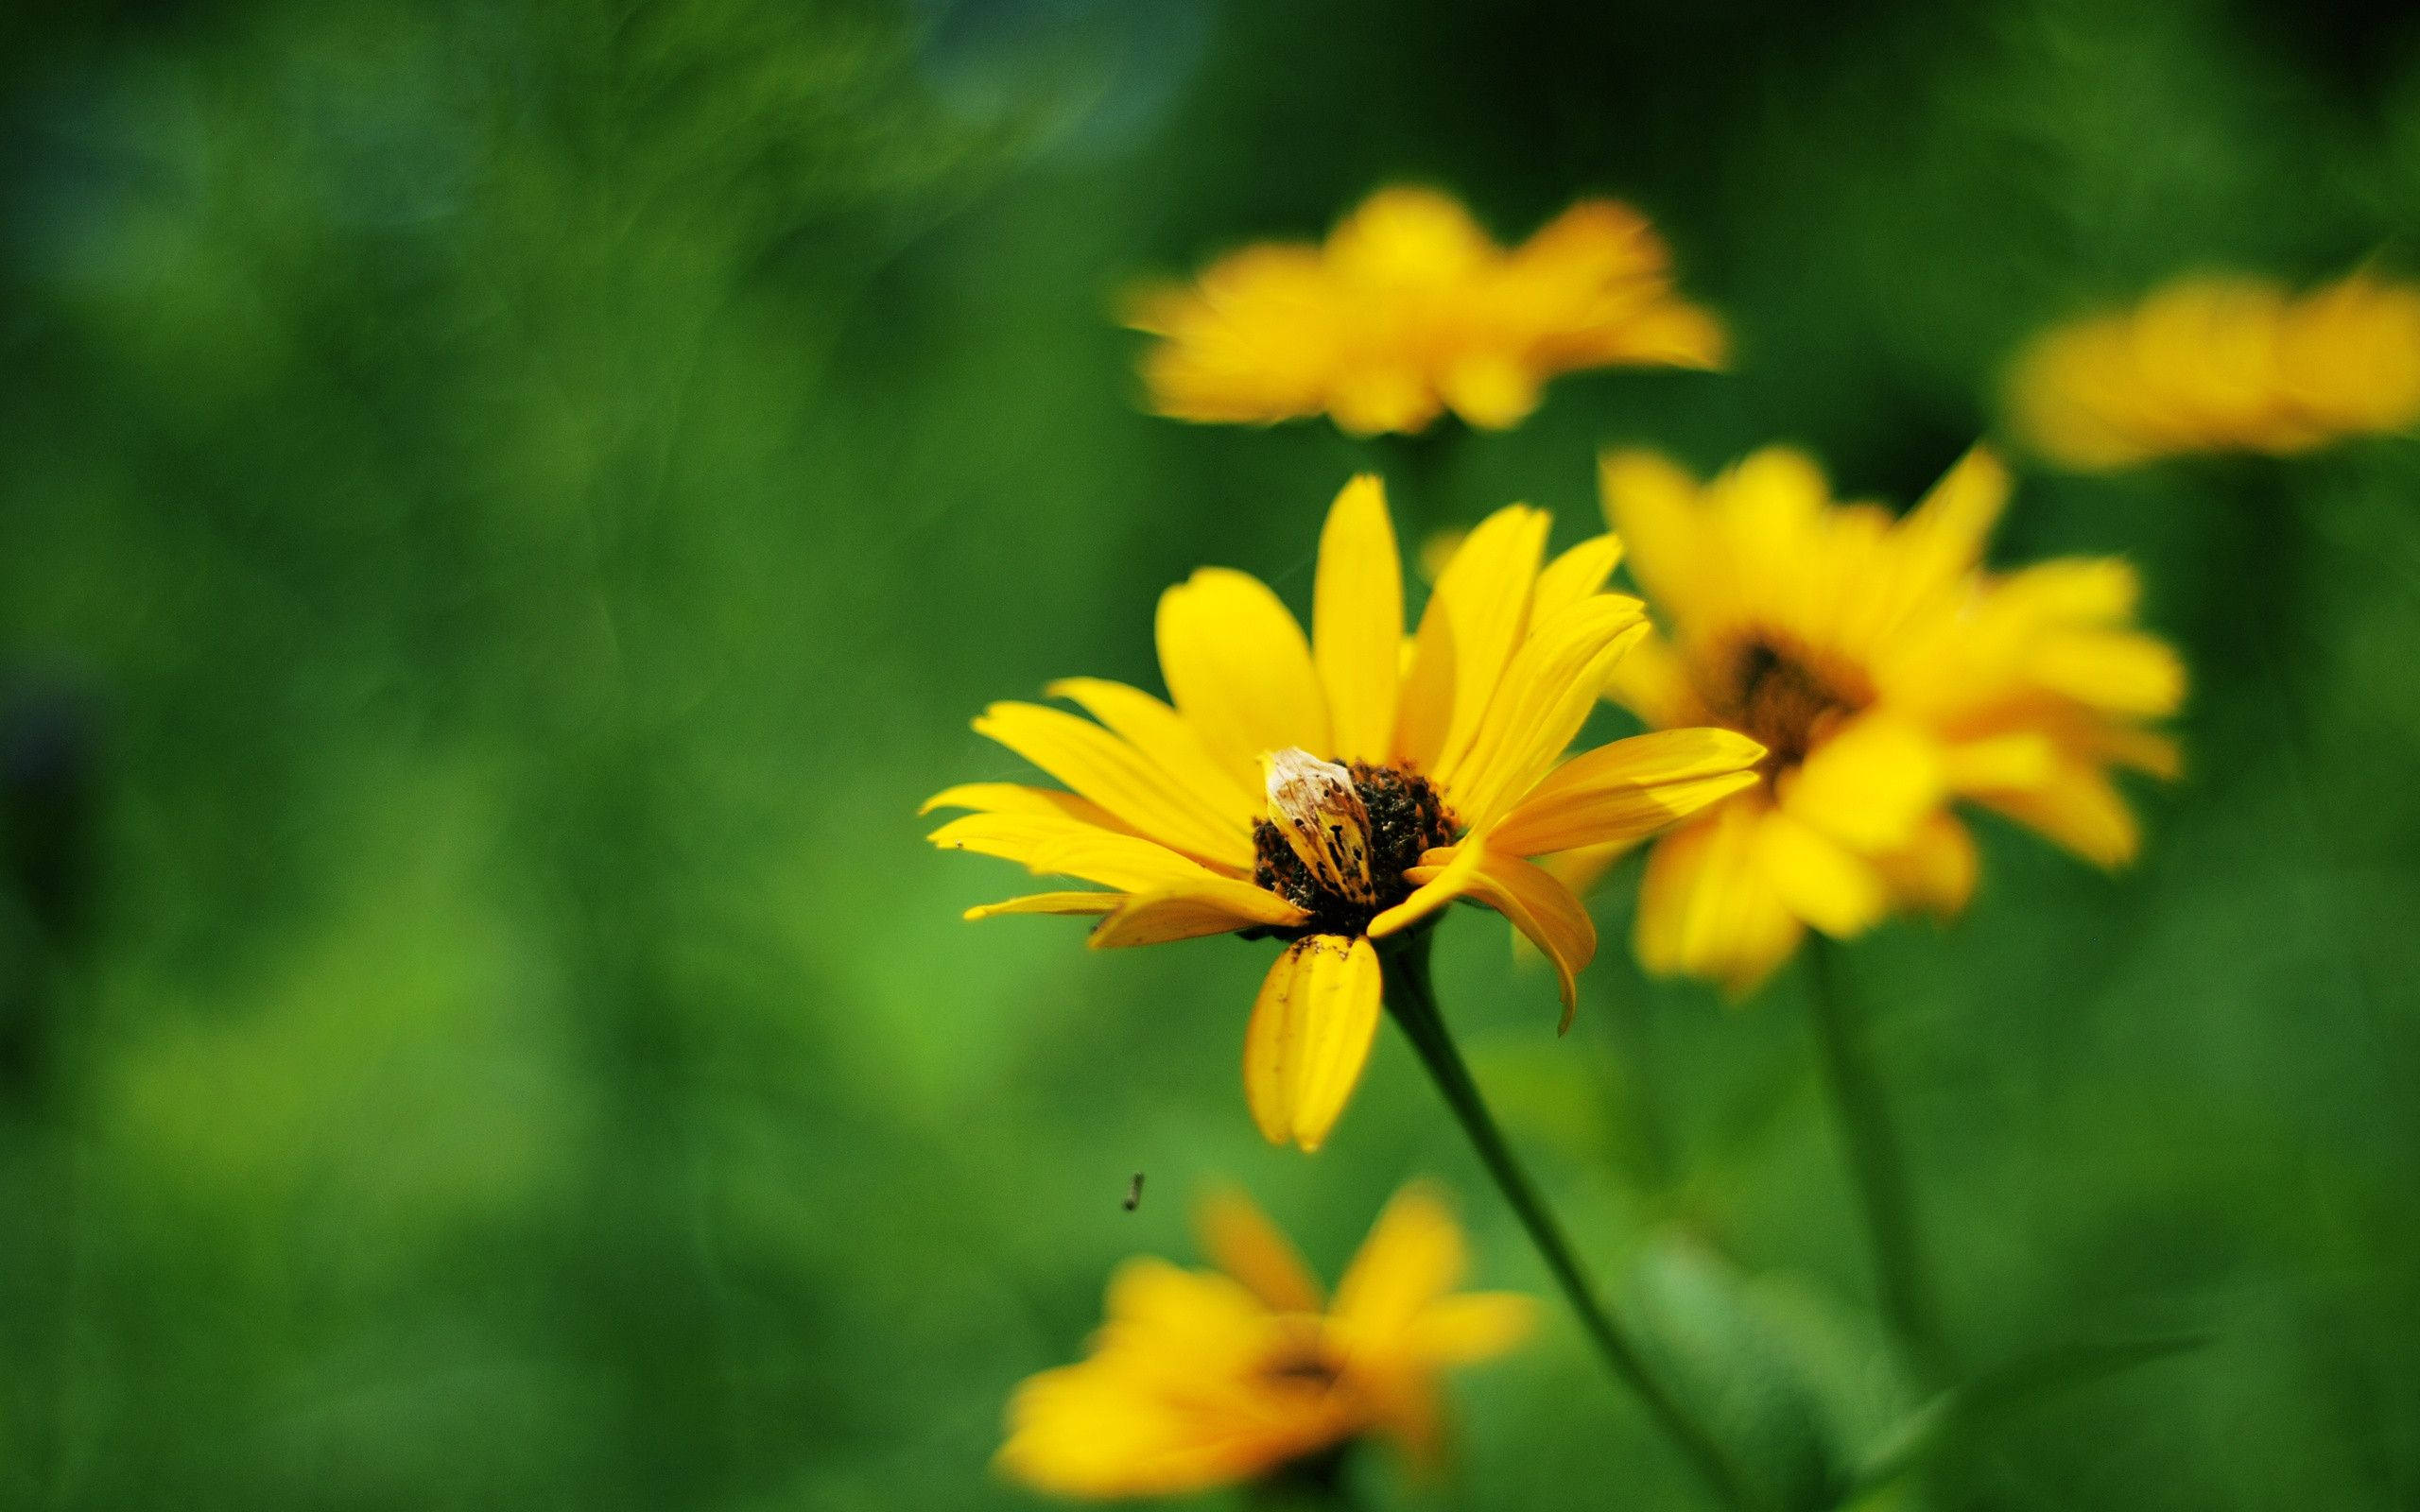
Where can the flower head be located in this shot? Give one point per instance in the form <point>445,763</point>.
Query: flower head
<point>1410,309</point>
<point>1203,1379</point>
<point>1342,788</point>
<point>2215,364</point>
<point>1888,677</point>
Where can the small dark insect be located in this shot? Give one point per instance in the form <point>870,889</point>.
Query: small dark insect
<point>1133,1193</point>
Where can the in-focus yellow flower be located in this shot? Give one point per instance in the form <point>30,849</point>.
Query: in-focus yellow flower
<point>1888,676</point>
<point>1203,1379</point>
<point>1410,309</point>
<point>1342,788</point>
<point>2217,364</point>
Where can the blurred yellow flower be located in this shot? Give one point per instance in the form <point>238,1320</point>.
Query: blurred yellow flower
<point>1205,1379</point>
<point>2217,364</point>
<point>1342,788</point>
<point>1410,309</point>
<point>1888,676</point>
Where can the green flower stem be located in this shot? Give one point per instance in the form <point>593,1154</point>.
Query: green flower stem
<point>1874,1159</point>
<point>1413,1002</point>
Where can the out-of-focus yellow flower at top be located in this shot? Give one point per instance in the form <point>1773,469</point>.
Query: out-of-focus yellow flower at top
<point>1205,1379</point>
<point>2220,364</point>
<point>1888,676</point>
<point>1344,787</point>
<point>1411,309</point>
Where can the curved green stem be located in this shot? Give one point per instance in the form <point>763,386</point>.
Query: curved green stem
<point>1413,1002</point>
<point>1874,1159</point>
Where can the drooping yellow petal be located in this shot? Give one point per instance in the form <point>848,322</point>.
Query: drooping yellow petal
<point>2117,671</point>
<point>1114,775</point>
<point>1356,622</point>
<point>1165,738</point>
<point>1238,668</point>
<point>1241,1241</point>
<point>1309,1036</point>
<point>1544,696</point>
<point>1538,905</point>
<point>1625,791</point>
<point>1192,911</point>
<point>1048,902</point>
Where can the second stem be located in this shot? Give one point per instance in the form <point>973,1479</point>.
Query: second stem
<point>1876,1161</point>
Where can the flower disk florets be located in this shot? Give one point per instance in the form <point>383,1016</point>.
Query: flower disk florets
<point>1400,816</point>
<point>1778,698</point>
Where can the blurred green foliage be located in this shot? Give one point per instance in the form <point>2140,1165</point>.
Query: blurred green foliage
<point>510,506</point>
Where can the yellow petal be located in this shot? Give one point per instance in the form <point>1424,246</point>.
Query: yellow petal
<point>1574,575</point>
<point>1653,504</point>
<point>1164,738</point>
<point>1546,695</point>
<point>1869,785</point>
<point>1015,797</point>
<point>1215,906</point>
<point>1936,870</point>
<point>1473,1326</point>
<point>1241,1241</point>
<point>2116,671</point>
<point>1540,908</point>
<point>1053,844</point>
<point>1704,906</point>
<point>1475,620</point>
<point>1309,1036</point>
<point>1446,873</point>
<point>1114,775</point>
<point>1356,622</point>
<point>1236,665</point>
<point>1050,902</point>
<point>1413,1256</point>
<point>2080,809</point>
<point>1652,681</point>
<point>1945,534</point>
<point>1829,886</point>
<point>1622,791</point>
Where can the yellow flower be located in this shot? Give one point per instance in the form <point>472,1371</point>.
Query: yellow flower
<point>2217,364</point>
<point>1888,676</point>
<point>1343,788</point>
<point>1203,1379</point>
<point>1411,308</point>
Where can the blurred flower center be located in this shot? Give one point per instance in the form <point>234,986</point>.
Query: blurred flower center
<point>1337,839</point>
<point>1778,698</point>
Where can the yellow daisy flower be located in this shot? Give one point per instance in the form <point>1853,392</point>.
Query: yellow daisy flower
<point>2222,364</point>
<point>1205,1379</point>
<point>1341,789</point>
<point>1888,676</point>
<point>1411,309</point>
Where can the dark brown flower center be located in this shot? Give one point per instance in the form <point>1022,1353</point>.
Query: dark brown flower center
<point>1785,700</point>
<point>1339,838</point>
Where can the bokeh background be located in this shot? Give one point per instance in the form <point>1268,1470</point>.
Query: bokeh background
<point>508,506</point>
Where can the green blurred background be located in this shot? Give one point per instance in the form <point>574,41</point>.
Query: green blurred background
<point>508,505</point>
